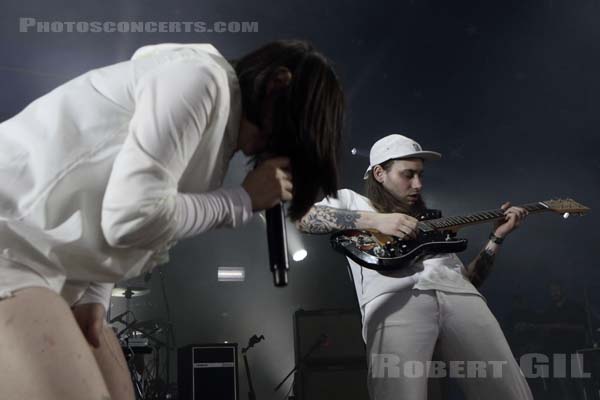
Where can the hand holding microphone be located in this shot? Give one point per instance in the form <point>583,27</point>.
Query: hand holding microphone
<point>268,185</point>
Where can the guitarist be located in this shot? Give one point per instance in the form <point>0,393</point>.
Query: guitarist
<point>434,301</point>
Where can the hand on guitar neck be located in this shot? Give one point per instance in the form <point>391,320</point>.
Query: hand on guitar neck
<point>479,269</point>
<point>514,217</point>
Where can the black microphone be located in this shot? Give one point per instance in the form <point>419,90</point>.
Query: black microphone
<point>277,239</point>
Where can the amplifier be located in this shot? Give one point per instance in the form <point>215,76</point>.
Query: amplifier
<point>208,372</point>
<point>335,335</point>
<point>329,343</point>
<point>327,382</point>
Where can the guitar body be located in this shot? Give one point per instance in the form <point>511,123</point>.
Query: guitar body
<point>380,252</point>
<point>365,248</point>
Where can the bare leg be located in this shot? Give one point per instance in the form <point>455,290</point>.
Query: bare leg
<point>43,353</point>
<point>112,363</point>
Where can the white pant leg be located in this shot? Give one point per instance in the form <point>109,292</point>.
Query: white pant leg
<point>469,332</point>
<point>401,328</point>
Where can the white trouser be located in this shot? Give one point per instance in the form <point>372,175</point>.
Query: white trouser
<point>403,329</point>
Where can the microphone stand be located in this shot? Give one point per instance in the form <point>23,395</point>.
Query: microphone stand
<point>318,343</point>
<point>253,340</point>
<point>251,394</point>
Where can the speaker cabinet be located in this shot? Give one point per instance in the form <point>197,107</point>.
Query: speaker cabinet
<point>330,353</point>
<point>340,333</point>
<point>208,372</point>
<point>327,382</point>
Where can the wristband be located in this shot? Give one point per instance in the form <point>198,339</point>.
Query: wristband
<point>496,239</point>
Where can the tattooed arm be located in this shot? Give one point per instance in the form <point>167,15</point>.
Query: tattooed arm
<point>334,215</point>
<point>325,219</point>
<point>479,269</point>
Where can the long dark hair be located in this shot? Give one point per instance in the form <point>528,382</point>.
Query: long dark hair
<point>308,115</point>
<point>384,202</point>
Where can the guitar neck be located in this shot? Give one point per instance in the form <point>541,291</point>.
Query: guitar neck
<point>461,221</point>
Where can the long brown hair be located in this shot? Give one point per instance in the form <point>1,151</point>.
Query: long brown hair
<point>308,115</point>
<point>384,202</point>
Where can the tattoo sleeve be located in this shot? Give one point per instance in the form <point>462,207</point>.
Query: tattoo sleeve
<point>323,219</point>
<point>481,267</point>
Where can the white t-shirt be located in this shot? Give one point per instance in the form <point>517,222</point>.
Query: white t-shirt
<point>444,272</point>
<point>100,176</point>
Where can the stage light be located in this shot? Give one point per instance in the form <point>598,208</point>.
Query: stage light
<point>231,274</point>
<point>300,255</point>
<point>359,152</point>
<point>294,240</point>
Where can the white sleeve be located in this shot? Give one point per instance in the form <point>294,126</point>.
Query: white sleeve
<point>142,207</point>
<point>97,293</point>
<point>344,200</point>
<point>197,213</point>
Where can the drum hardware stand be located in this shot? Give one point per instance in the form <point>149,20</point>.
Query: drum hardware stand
<point>128,320</point>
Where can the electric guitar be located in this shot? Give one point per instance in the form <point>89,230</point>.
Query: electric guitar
<point>375,250</point>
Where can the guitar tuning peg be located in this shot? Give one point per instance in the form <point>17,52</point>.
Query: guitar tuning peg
<point>566,215</point>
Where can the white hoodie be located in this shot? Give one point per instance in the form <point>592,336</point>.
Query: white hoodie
<point>101,176</point>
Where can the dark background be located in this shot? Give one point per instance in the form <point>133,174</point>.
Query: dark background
<point>506,90</point>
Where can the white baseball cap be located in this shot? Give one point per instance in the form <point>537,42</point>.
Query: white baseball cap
<point>397,146</point>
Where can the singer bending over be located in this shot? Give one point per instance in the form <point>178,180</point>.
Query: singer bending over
<point>101,176</point>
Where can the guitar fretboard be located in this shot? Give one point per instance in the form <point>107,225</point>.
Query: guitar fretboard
<point>478,217</point>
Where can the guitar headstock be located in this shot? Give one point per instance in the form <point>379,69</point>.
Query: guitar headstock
<point>564,206</point>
